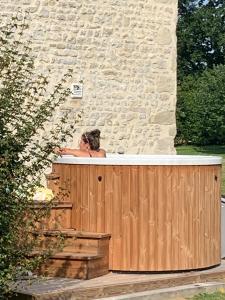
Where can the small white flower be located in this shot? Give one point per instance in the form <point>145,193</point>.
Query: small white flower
<point>43,194</point>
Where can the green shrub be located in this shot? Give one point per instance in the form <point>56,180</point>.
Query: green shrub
<point>26,103</point>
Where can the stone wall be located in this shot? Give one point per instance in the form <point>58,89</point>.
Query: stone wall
<point>124,52</point>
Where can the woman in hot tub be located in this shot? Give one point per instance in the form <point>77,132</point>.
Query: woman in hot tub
<point>89,146</point>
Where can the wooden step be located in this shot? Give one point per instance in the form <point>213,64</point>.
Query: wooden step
<point>78,241</point>
<point>75,265</point>
<point>84,256</point>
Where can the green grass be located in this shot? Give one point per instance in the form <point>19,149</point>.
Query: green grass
<point>206,150</point>
<point>212,296</point>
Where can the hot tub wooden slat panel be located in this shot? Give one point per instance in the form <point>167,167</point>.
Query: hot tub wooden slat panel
<point>152,250</point>
<point>134,212</point>
<point>116,217</point>
<point>83,201</point>
<point>167,206</point>
<point>85,198</point>
<point>158,237</point>
<point>109,208</point>
<point>155,230</point>
<point>190,207</point>
<point>209,190</point>
<point>194,200</point>
<point>100,190</point>
<point>204,220</point>
<point>183,224</point>
<point>161,217</point>
<point>143,214</point>
<point>217,195</point>
<point>208,209</point>
<point>170,201</point>
<point>73,194</point>
<point>161,226</point>
<point>92,193</point>
<point>214,212</point>
<point>214,233</point>
<point>76,195</point>
<point>175,217</point>
<point>125,215</point>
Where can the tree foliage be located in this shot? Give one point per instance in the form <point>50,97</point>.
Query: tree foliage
<point>27,104</point>
<point>201,40</point>
<point>201,36</point>
<point>201,119</point>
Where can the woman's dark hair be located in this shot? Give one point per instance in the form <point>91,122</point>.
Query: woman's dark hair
<point>92,138</point>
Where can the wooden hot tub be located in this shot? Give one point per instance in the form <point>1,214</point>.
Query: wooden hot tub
<point>162,211</point>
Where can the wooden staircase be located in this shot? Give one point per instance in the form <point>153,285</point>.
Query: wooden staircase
<point>85,255</point>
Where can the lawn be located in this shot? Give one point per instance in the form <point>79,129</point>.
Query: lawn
<point>206,150</point>
<point>205,296</point>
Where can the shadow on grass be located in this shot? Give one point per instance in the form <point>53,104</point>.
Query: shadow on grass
<point>212,149</point>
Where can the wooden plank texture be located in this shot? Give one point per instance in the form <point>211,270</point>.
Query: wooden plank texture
<point>161,218</point>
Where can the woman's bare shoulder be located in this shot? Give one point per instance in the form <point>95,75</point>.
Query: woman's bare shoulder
<point>101,153</point>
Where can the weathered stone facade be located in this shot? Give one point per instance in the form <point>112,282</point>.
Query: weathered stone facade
<point>124,51</point>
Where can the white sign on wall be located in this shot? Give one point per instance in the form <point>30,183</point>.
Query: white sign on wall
<point>77,90</point>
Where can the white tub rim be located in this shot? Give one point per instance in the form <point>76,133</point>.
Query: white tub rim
<point>141,159</point>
